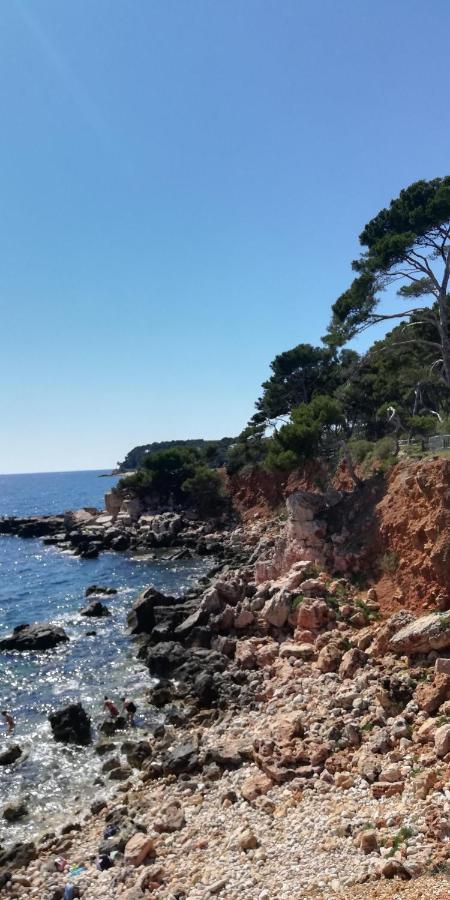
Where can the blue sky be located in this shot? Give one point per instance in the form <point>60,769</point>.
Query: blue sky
<point>182,184</point>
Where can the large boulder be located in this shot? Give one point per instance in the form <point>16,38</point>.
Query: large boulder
<point>141,619</point>
<point>71,725</point>
<point>39,636</point>
<point>430,632</point>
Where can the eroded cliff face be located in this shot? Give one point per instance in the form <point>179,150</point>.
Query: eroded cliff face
<point>258,493</point>
<point>392,532</point>
<point>413,519</point>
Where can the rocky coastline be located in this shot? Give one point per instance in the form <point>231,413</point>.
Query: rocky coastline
<point>305,750</point>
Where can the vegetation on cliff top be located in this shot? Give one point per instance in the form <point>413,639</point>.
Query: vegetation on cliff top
<point>328,400</point>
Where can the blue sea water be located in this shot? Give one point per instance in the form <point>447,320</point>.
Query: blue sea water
<point>39,583</point>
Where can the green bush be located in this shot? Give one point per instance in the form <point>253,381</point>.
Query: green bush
<point>205,491</point>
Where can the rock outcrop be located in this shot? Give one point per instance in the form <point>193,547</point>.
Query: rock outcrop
<point>71,725</point>
<point>39,636</point>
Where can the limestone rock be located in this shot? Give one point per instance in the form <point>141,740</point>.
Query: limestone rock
<point>352,660</point>
<point>329,658</point>
<point>427,633</point>
<point>431,696</point>
<point>276,609</point>
<point>442,740</point>
<point>137,849</point>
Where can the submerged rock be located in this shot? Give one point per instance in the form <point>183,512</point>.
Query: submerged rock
<point>10,755</point>
<point>71,725</point>
<point>99,589</point>
<point>96,610</point>
<point>13,811</point>
<point>39,636</point>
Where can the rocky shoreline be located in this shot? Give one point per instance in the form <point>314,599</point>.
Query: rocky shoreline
<point>306,740</point>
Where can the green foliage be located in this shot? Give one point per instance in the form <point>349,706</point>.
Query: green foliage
<point>216,451</point>
<point>312,428</point>
<point>204,490</point>
<point>407,244</point>
<point>389,562</point>
<point>400,838</point>
<point>296,601</point>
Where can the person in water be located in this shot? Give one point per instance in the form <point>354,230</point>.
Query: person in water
<point>9,721</point>
<point>129,710</point>
<point>110,707</point>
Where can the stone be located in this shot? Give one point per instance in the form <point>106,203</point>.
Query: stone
<point>141,618</point>
<point>297,651</point>
<point>442,740</point>
<point>137,849</point>
<point>312,615</point>
<point>110,726</point>
<point>96,609</point>
<point>99,589</point>
<point>387,789</point>
<point>276,610</point>
<point>391,773</point>
<point>171,818</point>
<point>10,755</point>
<point>39,636</point>
<point>255,786</point>
<point>424,782</point>
<point>120,773</point>
<point>442,664</point>
<point>14,811</point>
<point>393,868</point>
<point>247,840</point>
<point>368,842</point>
<point>183,757</point>
<point>430,697</point>
<point>393,626</point>
<point>329,658</point>
<point>71,725</point>
<point>352,660</point>
<point>427,633</point>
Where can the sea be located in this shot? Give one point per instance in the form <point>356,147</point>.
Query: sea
<point>39,583</point>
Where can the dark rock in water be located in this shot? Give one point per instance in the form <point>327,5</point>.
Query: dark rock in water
<point>71,725</point>
<point>136,752</point>
<point>120,773</point>
<point>96,610</point>
<point>110,726</point>
<point>112,763</point>
<point>121,542</point>
<point>18,856</point>
<point>39,636</point>
<point>99,589</point>
<point>103,747</point>
<point>14,811</point>
<point>97,806</point>
<point>91,551</point>
<point>10,755</point>
<point>90,633</point>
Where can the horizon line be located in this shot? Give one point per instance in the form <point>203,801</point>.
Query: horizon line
<point>57,471</point>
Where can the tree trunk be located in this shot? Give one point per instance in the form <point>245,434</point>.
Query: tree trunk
<point>443,321</point>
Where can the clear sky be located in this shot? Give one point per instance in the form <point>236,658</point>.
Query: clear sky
<point>182,184</point>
